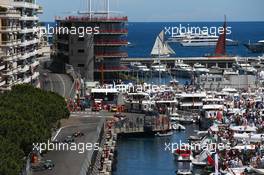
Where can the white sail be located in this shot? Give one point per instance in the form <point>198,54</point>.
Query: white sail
<point>161,48</point>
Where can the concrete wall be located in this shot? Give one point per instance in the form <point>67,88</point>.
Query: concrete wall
<point>5,2</point>
<point>234,81</point>
<point>82,62</point>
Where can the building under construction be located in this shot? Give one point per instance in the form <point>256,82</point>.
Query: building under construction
<point>96,56</point>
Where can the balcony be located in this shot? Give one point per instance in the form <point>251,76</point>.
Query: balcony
<point>19,81</point>
<point>8,57</point>
<point>40,10</point>
<point>29,42</point>
<point>35,75</point>
<point>27,55</point>
<point>10,14</point>
<point>7,72</point>
<point>2,67</point>
<point>9,29</point>
<point>10,43</point>
<point>110,43</point>
<point>114,32</point>
<point>29,30</point>
<point>19,4</point>
<point>29,18</point>
<point>111,54</point>
<point>27,79</point>
<point>23,69</point>
<point>2,82</point>
<point>34,64</point>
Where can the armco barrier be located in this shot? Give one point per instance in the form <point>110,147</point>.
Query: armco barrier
<point>90,161</point>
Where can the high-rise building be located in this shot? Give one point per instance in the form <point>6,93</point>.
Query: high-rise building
<point>19,43</point>
<point>97,55</point>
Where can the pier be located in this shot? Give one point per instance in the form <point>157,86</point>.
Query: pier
<point>222,62</point>
<point>141,124</point>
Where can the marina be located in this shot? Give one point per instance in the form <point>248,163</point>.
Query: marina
<point>174,88</point>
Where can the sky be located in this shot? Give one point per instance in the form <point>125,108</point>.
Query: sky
<point>163,10</point>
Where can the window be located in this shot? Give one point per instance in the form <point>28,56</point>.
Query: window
<point>80,50</point>
<point>210,79</point>
<point>81,39</point>
<point>80,65</point>
<point>218,79</point>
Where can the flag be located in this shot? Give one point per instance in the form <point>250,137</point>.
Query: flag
<point>216,164</point>
<point>210,161</point>
<point>219,116</point>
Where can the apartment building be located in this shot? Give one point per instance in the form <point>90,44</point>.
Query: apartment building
<point>19,43</point>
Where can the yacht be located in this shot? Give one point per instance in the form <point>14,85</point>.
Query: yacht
<point>177,38</point>
<point>181,70</point>
<point>138,102</point>
<point>200,69</point>
<point>212,111</point>
<point>201,40</point>
<point>191,101</point>
<point>161,47</point>
<point>256,47</point>
<point>158,67</point>
<point>245,69</point>
<point>139,67</point>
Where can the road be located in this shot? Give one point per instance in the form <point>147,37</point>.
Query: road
<point>59,83</point>
<point>70,162</point>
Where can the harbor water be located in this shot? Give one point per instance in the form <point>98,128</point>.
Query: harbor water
<point>148,155</point>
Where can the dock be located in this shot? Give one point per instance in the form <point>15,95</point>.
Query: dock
<point>141,125</point>
<point>222,62</point>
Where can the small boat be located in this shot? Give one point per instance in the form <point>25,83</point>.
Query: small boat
<point>164,133</point>
<point>174,82</point>
<point>183,119</point>
<point>137,66</point>
<point>184,168</point>
<point>183,155</point>
<point>177,126</point>
<point>257,170</point>
<point>181,69</point>
<point>256,47</point>
<point>184,172</point>
<point>129,44</point>
<point>216,70</point>
<point>200,69</point>
<point>158,67</point>
<point>200,160</point>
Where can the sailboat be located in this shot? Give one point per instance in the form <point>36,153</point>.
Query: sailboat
<point>161,48</point>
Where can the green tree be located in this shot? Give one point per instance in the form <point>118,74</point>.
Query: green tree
<point>28,115</point>
<point>11,158</point>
